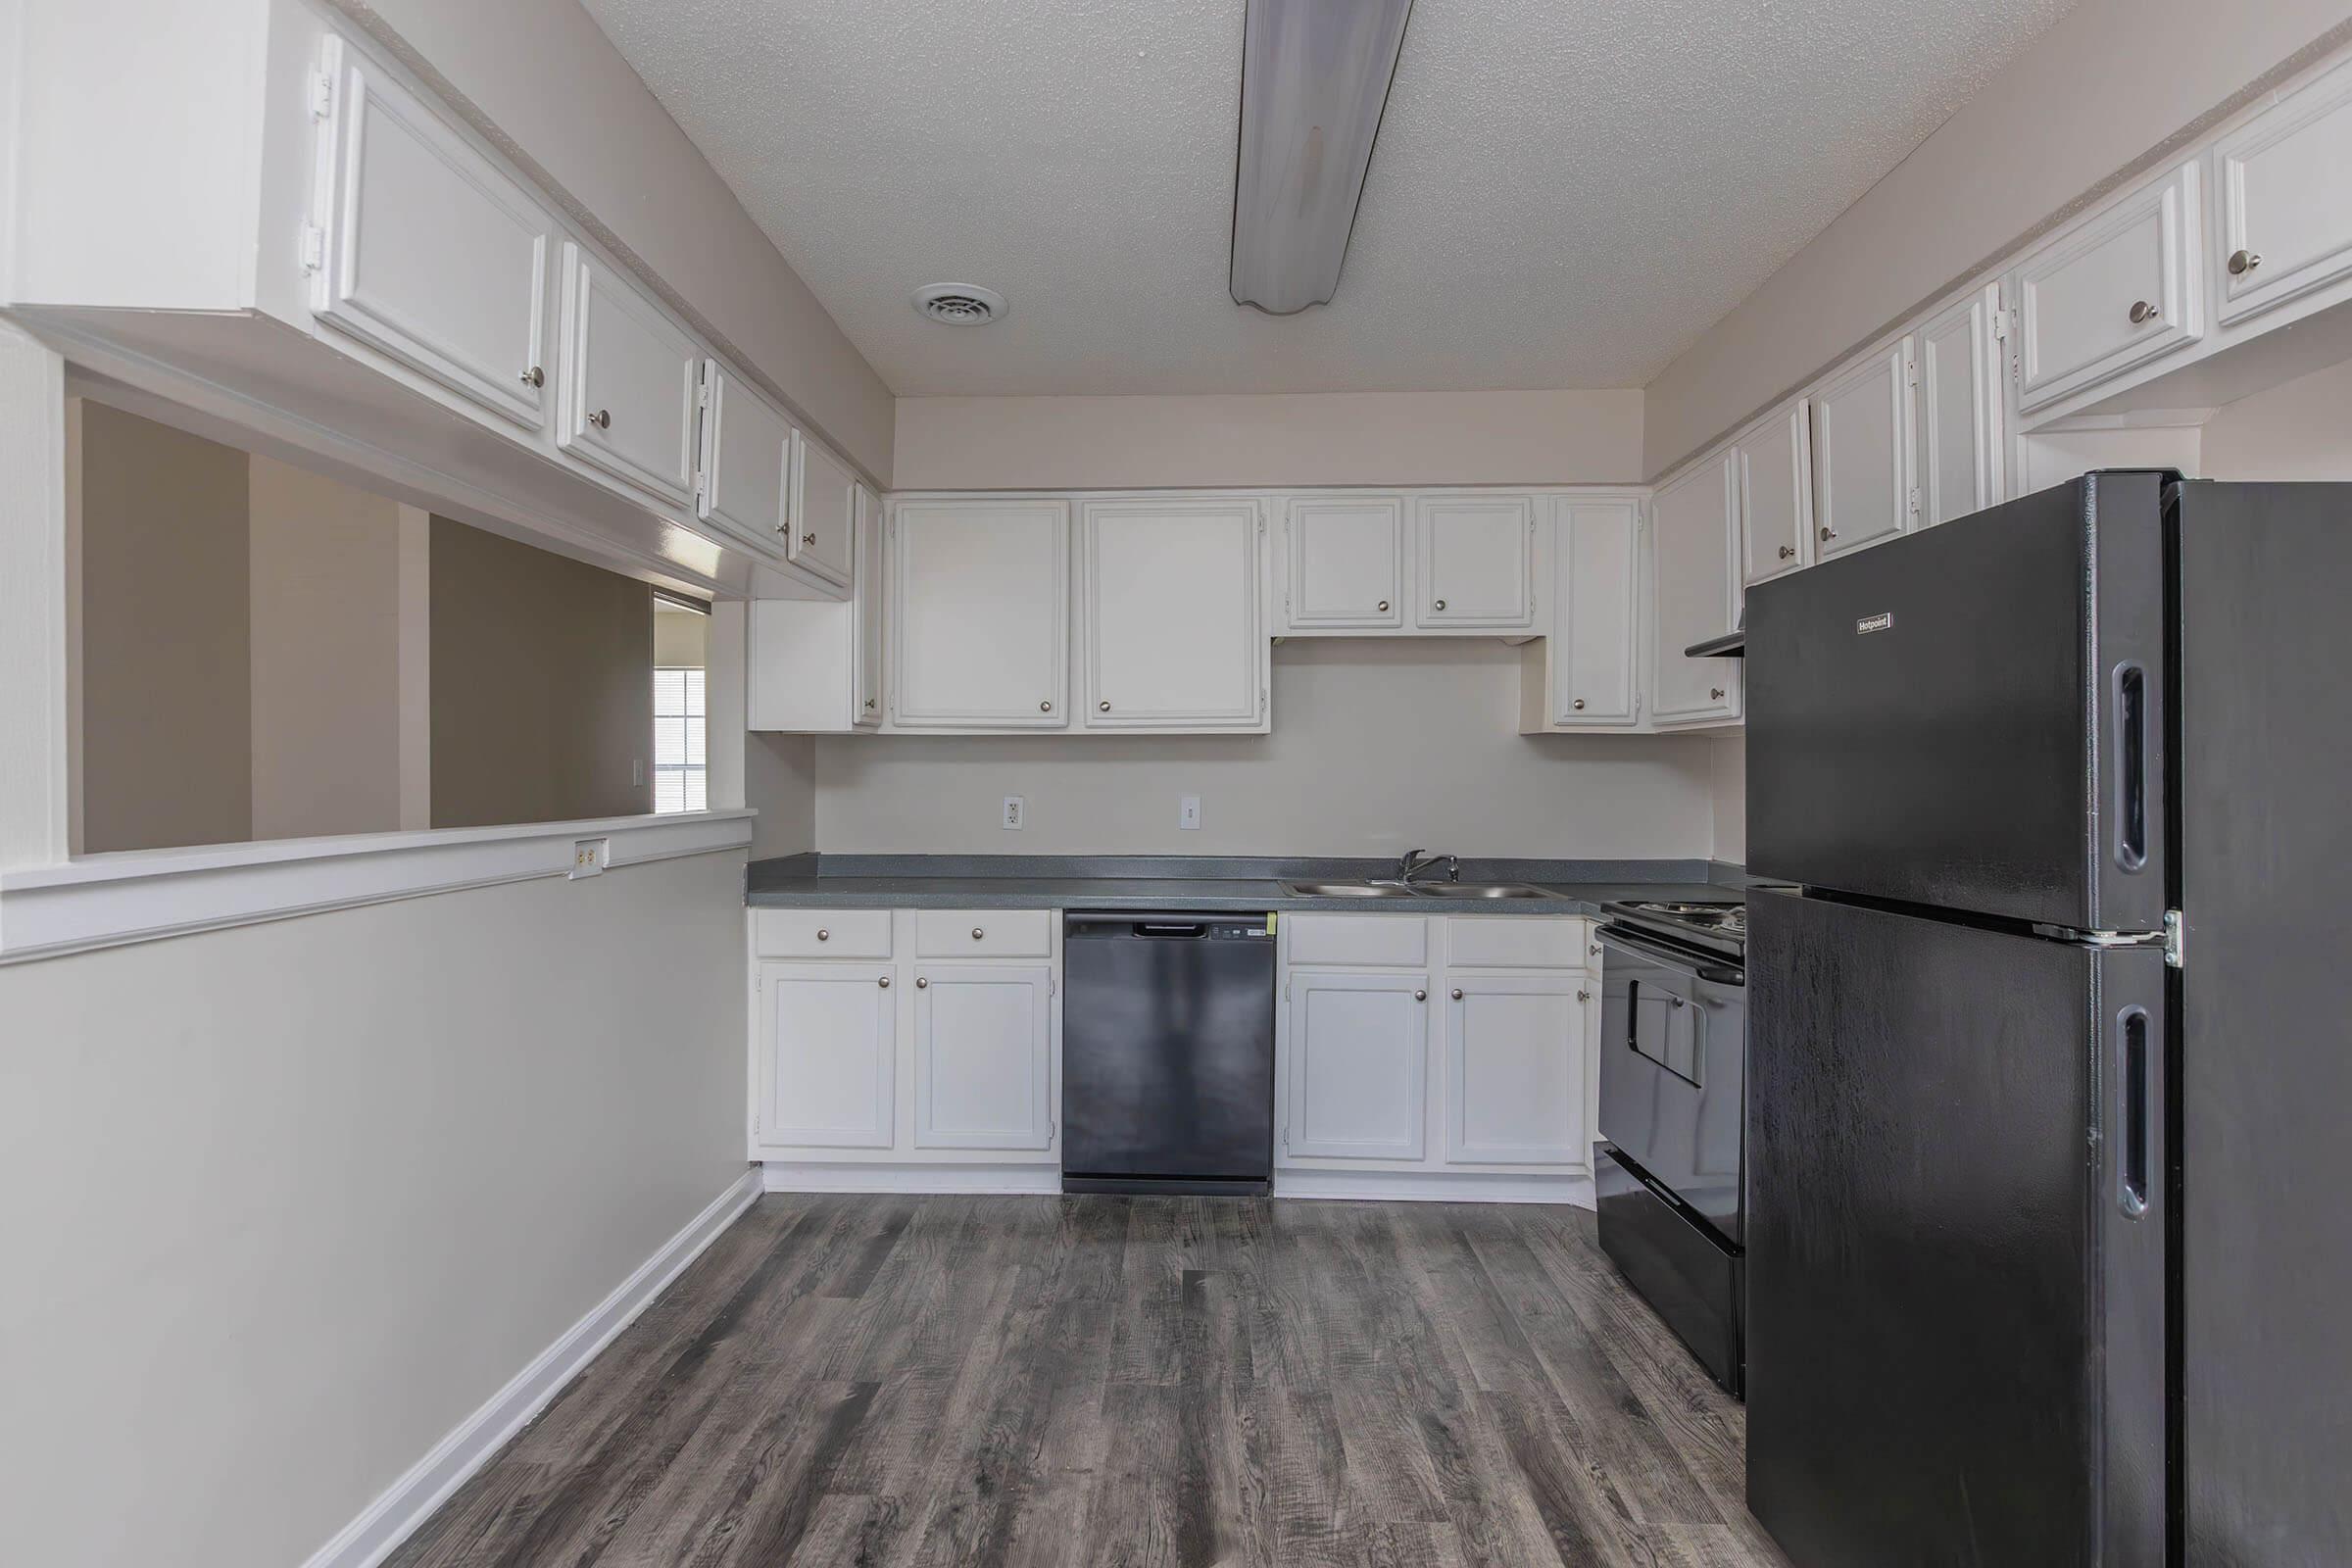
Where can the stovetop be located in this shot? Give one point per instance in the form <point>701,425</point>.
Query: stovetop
<point>1720,924</point>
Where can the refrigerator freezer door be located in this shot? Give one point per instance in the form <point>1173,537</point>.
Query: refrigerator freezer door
<point>1972,718</point>
<point>1955,1242</point>
<point>2266,732</point>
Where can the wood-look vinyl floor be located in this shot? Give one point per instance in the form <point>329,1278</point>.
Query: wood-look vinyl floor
<point>1107,1380</point>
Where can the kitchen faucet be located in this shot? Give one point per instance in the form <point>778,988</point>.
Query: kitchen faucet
<point>1417,861</point>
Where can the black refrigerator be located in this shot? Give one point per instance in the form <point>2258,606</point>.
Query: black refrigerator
<point>2049,1104</point>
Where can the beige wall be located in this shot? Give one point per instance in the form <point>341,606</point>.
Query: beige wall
<point>1378,746</point>
<point>543,684</point>
<point>165,668</point>
<point>779,782</point>
<point>285,1203</point>
<point>325,649</point>
<point>1013,443</point>
<point>2107,83</point>
<point>2301,430</point>
<point>1730,799</point>
<point>547,78</point>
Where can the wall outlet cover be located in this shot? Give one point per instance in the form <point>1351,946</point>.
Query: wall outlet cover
<point>589,858</point>
<point>1187,814</point>
<point>1012,813</point>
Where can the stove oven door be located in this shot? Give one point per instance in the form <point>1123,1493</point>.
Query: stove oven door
<point>1673,1064</point>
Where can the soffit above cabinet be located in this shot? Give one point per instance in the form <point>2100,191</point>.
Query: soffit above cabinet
<point>1610,176</point>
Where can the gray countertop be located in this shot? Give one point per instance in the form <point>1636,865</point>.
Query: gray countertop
<point>1199,882</point>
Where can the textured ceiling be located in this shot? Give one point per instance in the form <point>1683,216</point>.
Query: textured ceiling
<point>1565,192</point>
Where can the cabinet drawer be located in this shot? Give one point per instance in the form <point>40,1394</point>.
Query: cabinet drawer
<point>1514,942</point>
<point>821,933</point>
<point>984,934</point>
<point>1390,940</point>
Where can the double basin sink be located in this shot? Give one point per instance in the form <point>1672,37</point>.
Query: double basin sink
<point>1375,889</point>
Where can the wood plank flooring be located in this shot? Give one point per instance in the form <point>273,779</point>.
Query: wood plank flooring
<point>1107,1380</point>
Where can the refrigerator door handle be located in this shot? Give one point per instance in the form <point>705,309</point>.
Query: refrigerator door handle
<point>2128,700</point>
<point>2135,1110</point>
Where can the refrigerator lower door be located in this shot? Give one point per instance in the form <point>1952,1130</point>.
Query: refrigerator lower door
<point>1956,1269</point>
<point>2266,728</point>
<point>1972,718</point>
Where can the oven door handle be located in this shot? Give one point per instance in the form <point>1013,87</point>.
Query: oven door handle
<point>1679,962</point>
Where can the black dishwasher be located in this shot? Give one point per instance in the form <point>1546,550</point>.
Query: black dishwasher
<point>1167,1054</point>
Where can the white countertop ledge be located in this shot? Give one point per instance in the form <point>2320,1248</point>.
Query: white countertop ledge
<point>103,901</point>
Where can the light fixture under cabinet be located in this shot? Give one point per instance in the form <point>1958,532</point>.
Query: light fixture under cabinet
<point>1316,77</point>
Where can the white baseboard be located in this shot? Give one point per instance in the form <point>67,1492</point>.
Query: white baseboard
<point>877,1177</point>
<point>1413,1187</point>
<point>409,1501</point>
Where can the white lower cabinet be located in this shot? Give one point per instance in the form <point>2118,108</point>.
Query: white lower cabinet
<point>1474,1068</point>
<point>983,1057</point>
<point>829,1063</point>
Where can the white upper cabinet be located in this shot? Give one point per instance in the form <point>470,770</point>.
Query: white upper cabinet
<point>746,462</point>
<point>824,513</point>
<point>1595,628</point>
<point>2114,290</point>
<point>1959,462</point>
<point>1516,1070</point>
<point>632,381</point>
<point>1862,441</point>
<point>1776,492</point>
<point>2285,192</point>
<point>865,615</point>
<point>426,250</point>
<point>983,1056</point>
<point>1695,554</point>
<point>1171,596</point>
<point>1477,561</point>
<point>979,615</point>
<point>1343,562</point>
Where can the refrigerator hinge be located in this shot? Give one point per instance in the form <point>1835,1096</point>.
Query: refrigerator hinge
<point>2175,935</point>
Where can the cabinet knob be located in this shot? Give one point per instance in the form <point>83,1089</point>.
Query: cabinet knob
<point>1420,996</point>
<point>601,419</point>
<point>2143,313</point>
<point>535,377</point>
<point>884,982</point>
<point>921,984</point>
<point>1828,533</point>
<point>823,935</point>
<point>869,702</point>
<point>1584,995</point>
<point>1383,606</point>
<point>808,541</point>
<point>2243,261</point>
<point>1457,993</point>
<point>1045,708</point>
<point>1715,691</point>
<point>1103,706</point>
<point>1786,551</point>
<point>1578,705</point>
<point>977,933</point>
<point>1439,605</point>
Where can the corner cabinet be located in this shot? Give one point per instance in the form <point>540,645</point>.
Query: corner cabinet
<point>1589,666</point>
<point>978,614</point>
<point>1694,594</point>
<point>632,381</point>
<point>1172,637</point>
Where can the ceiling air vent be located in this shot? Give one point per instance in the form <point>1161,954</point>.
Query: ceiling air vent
<point>960,304</point>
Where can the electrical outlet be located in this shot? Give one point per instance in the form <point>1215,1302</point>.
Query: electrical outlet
<point>1187,814</point>
<point>1012,813</point>
<point>589,858</point>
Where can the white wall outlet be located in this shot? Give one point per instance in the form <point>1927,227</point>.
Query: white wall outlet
<point>1012,813</point>
<point>1187,814</point>
<point>589,858</point>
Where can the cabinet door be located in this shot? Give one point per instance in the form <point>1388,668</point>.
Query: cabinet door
<point>831,1047</point>
<point>1169,596</point>
<point>824,513</point>
<point>1959,467</point>
<point>1695,593</point>
<point>1477,554</point>
<point>1346,562</point>
<point>1515,1071</point>
<point>2286,198</point>
<point>983,1057</point>
<point>865,615</point>
<point>1596,569</point>
<point>631,381</point>
<point>1862,440</point>
<point>979,615</point>
<point>2115,291</point>
<point>430,252</point>
<point>1776,492</point>
<point>1358,1066</point>
<point>746,462</point>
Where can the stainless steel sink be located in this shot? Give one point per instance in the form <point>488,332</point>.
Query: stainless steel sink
<point>1480,890</point>
<point>1414,890</point>
<point>1348,890</point>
